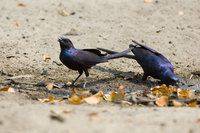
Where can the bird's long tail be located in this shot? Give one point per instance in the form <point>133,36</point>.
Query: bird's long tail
<point>114,54</point>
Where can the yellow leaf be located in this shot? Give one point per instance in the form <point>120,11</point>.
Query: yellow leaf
<point>185,93</point>
<point>192,103</point>
<point>99,94</point>
<point>107,97</point>
<point>50,99</point>
<point>117,96</point>
<point>93,99</point>
<point>162,101</point>
<point>46,58</point>
<point>177,104</point>
<point>163,90</point>
<point>8,89</point>
<point>49,86</point>
<point>74,99</point>
<point>80,92</point>
<point>121,87</point>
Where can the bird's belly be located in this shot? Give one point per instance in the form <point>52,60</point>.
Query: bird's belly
<point>70,63</point>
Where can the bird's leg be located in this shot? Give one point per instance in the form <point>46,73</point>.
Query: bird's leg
<point>80,73</point>
<point>87,75</point>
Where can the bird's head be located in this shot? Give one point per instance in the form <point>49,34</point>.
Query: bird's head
<point>169,77</point>
<point>65,43</point>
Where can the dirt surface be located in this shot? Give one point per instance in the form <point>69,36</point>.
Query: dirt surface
<point>29,32</point>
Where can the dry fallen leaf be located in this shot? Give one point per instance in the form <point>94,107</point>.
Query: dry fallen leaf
<point>49,86</point>
<point>17,23</point>
<point>121,87</point>
<point>126,103</point>
<point>50,99</point>
<point>162,101</point>
<point>21,4</point>
<point>61,112</point>
<point>163,90</point>
<point>74,99</point>
<point>115,96</point>
<point>177,103</point>
<point>63,12</point>
<point>46,58</point>
<point>93,99</point>
<point>187,94</point>
<point>192,103</point>
<point>8,89</point>
<point>198,120</point>
<point>80,92</point>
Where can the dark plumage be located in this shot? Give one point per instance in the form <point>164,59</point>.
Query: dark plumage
<point>154,64</point>
<point>82,59</point>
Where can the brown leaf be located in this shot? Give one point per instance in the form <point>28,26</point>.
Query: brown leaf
<point>163,90</point>
<point>121,87</point>
<point>198,120</point>
<point>50,99</point>
<point>21,4</point>
<point>177,103</point>
<point>46,58</point>
<point>49,86</point>
<point>187,94</point>
<point>117,96</point>
<point>17,23</point>
<point>74,99</point>
<point>192,103</point>
<point>80,92</point>
<point>93,99</point>
<point>8,89</point>
<point>61,112</point>
<point>162,101</point>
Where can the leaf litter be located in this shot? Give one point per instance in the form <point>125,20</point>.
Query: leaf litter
<point>160,96</point>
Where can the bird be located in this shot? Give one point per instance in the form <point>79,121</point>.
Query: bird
<point>83,59</point>
<point>153,63</point>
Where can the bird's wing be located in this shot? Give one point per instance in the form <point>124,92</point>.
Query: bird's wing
<point>153,51</point>
<point>95,51</point>
<point>87,58</point>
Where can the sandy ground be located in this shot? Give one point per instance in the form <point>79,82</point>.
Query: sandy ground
<point>171,27</point>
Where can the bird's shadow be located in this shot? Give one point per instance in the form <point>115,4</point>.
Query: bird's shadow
<point>137,78</point>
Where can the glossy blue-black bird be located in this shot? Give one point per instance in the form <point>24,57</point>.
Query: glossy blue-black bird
<point>153,63</point>
<point>83,59</point>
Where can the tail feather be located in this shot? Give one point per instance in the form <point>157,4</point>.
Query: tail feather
<point>115,54</point>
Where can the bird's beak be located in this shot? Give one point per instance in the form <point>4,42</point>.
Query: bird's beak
<point>59,39</point>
